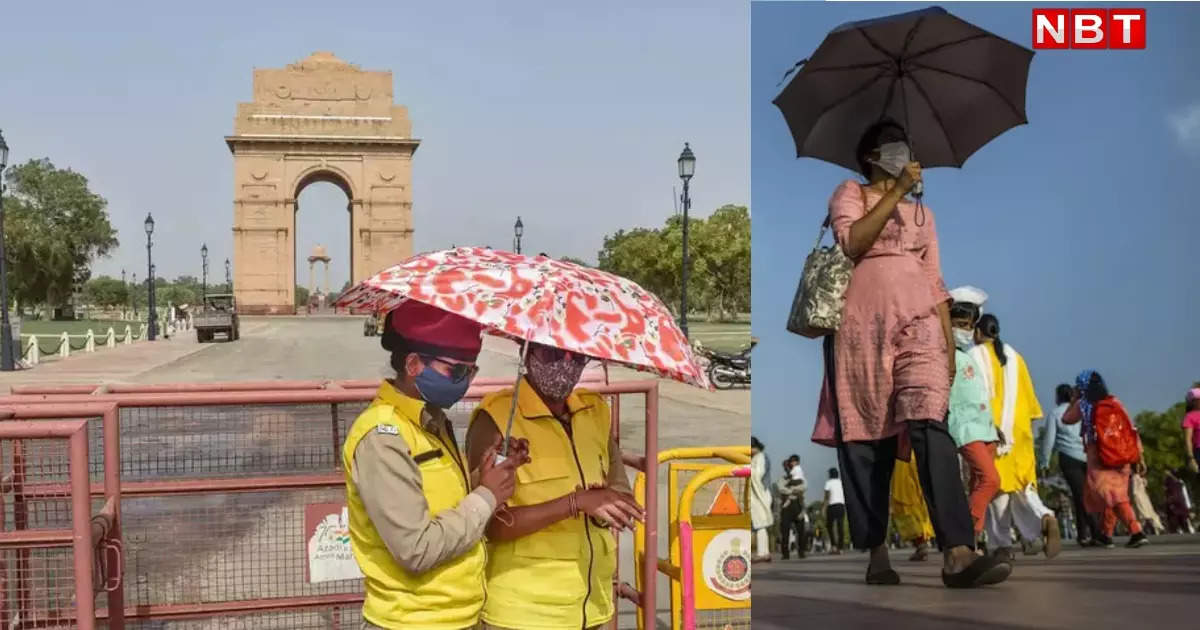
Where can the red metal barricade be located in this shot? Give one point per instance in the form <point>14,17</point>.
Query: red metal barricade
<point>214,488</point>
<point>54,555</point>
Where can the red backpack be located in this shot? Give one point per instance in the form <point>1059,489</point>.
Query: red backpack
<point>1116,439</point>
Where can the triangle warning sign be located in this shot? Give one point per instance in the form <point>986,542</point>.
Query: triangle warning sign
<point>725,504</point>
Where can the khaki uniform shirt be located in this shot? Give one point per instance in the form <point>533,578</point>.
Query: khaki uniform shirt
<point>390,485</point>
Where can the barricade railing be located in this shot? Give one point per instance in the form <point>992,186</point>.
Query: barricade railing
<point>678,460</point>
<point>210,478</point>
<point>589,378</point>
<point>54,554</point>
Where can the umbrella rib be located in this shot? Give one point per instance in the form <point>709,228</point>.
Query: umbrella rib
<point>876,45</point>
<point>971,79</point>
<point>937,116</point>
<point>933,49</point>
<point>860,89</point>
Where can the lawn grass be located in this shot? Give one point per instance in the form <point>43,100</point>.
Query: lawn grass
<point>729,337</point>
<point>78,327</point>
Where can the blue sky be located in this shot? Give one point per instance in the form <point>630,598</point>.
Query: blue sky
<point>1082,226</point>
<point>570,115</point>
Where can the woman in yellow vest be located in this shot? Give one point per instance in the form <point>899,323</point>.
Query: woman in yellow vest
<point>417,516</point>
<point>552,550</point>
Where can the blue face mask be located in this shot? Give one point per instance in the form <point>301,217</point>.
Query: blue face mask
<point>440,390</point>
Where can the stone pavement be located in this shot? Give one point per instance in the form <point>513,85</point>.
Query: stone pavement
<point>1157,586</point>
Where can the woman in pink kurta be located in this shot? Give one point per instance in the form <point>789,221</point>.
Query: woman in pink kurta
<point>889,367</point>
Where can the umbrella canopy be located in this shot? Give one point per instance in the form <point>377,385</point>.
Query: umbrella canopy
<point>542,300</point>
<point>953,85</point>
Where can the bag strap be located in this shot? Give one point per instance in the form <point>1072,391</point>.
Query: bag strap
<point>862,191</point>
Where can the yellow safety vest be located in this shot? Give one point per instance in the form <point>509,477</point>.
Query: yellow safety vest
<point>561,576</point>
<point>448,597</point>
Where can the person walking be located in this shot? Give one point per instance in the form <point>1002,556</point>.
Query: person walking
<point>889,366</point>
<point>790,489</point>
<point>1066,440</point>
<point>1108,485</point>
<point>909,512</point>
<point>1014,406</point>
<point>971,424</point>
<point>1178,504</point>
<point>1191,427</point>
<point>552,551</point>
<point>416,514</point>
<point>835,512</point>
<point>1143,507</point>
<point>761,518</point>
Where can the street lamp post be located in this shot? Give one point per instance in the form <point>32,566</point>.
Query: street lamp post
<point>518,232</point>
<point>7,361</point>
<point>228,277</point>
<point>204,273</point>
<point>687,168</point>
<point>133,295</point>
<point>152,313</point>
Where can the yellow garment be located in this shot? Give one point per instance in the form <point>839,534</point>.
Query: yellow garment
<point>908,503</point>
<point>1018,467</point>
<point>448,597</point>
<point>541,581</point>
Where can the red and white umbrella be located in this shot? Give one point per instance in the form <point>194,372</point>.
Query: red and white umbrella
<point>542,300</point>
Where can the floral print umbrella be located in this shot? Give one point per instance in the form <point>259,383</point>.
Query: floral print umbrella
<point>542,300</point>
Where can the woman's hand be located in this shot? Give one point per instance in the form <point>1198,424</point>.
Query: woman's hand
<point>909,177</point>
<point>615,509</point>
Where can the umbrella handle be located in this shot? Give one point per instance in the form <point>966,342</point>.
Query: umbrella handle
<point>512,409</point>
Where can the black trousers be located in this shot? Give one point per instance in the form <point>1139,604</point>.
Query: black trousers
<point>866,471</point>
<point>1075,472</point>
<point>835,522</point>
<point>790,515</point>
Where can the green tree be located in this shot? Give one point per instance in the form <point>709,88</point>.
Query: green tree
<point>55,228</point>
<point>719,252</point>
<point>106,292</point>
<point>577,261</point>
<point>301,296</point>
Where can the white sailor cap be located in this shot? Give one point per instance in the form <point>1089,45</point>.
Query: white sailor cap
<point>969,295</point>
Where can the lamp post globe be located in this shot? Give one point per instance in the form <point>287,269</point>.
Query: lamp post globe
<point>687,168</point>
<point>8,353</point>
<point>518,231</point>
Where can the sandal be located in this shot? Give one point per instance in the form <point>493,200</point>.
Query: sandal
<point>886,577</point>
<point>983,571</point>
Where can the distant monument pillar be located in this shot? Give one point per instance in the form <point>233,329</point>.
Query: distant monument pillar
<point>319,255</point>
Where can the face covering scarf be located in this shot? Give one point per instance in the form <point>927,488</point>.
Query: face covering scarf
<point>964,339</point>
<point>440,390</point>
<point>893,157</point>
<point>554,379</point>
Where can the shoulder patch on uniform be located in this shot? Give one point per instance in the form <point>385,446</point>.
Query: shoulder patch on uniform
<point>388,429</point>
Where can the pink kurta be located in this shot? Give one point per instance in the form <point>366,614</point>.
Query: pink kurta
<point>890,352</point>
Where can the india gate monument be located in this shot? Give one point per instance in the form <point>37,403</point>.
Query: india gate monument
<point>318,120</point>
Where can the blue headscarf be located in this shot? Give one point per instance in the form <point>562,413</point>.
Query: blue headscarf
<point>1085,406</point>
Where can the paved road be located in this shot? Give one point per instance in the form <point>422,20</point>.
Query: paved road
<point>309,348</point>
<point>1153,587</point>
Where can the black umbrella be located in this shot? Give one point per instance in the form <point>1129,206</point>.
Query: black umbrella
<point>953,85</point>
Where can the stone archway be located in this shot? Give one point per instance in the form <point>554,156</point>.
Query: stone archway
<point>320,119</point>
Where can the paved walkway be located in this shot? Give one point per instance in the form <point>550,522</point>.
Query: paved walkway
<point>1156,586</point>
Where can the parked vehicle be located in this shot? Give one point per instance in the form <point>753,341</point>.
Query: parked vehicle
<point>373,325</point>
<point>728,369</point>
<point>218,315</point>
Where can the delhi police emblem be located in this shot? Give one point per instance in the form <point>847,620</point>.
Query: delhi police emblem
<point>727,564</point>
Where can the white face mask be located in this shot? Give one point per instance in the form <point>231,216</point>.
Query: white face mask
<point>893,157</point>
<point>964,339</point>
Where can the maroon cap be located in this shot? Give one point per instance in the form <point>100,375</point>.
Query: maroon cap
<point>430,330</point>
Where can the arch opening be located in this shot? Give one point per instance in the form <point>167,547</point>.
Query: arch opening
<point>323,222</point>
